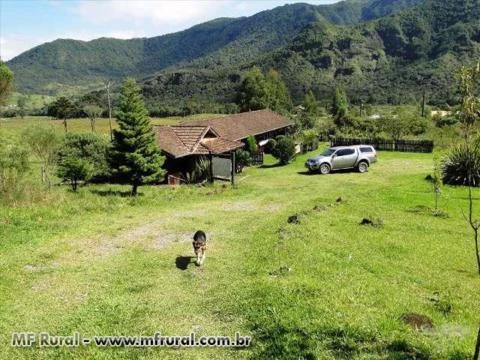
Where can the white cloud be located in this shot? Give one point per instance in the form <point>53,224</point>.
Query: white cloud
<point>125,19</point>
<point>159,12</point>
<point>12,45</point>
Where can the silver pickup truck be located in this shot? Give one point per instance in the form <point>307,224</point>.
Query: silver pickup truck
<point>343,157</point>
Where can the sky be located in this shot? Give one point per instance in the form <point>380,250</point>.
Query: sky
<point>25,24</point>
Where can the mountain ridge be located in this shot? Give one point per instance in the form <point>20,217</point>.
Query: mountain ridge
<point>392,60</point>
<point>66,63</point>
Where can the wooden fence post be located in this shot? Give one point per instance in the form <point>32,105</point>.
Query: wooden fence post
<point>234,168</point>
<point>210,157</point>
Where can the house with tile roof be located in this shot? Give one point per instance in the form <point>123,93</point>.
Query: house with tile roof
<point>187,145</point>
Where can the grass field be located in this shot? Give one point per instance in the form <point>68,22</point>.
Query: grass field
<point>100,263</point>
<point>16,125</point>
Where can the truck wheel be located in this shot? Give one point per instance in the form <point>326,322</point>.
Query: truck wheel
<point>362,167</point>
<point>325,169</point>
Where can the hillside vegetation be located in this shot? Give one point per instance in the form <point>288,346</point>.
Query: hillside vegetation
<point>390,60</point>
<point>75,65</point>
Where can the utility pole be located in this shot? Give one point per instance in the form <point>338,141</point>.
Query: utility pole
<point>423,104</point>
<point>107,87</point>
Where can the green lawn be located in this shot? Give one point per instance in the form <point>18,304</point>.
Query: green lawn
<point>16,125</point>
<point>101,263</point>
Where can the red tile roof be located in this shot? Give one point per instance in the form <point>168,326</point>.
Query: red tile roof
<point>217,135</point>
<point>183,140</point>
<point>243,125</point>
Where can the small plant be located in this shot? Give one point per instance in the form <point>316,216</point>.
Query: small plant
<point>441,305</point>
<point>284,152</point>
<point>462,165</point>
<point>242,159</point>
<point>436,183</point>
<point>374,222</point>
<point>252,146</point>
<point>14,166</point>
<point>75,170</point>
<point>199,170</point>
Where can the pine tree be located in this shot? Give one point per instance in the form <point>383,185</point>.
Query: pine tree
<point>278,97</point>
<point>340,103</point>
<point>311,104</point>
<point>135,157</point>
<point>64,109</point>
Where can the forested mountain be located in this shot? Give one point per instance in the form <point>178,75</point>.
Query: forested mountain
<point>219,43</point>
<point>382,51</point>
<point>393,59</point>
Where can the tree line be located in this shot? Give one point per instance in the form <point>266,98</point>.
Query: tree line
<point>131,156</point>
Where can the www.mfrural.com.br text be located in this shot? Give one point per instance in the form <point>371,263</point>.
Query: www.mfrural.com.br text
<point>45,339</point>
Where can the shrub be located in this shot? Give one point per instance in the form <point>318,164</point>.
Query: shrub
<point>9,113</point>
<point>14,166</point>
<point>270,146</point>
<point>462,165</point>
<point>441,122</point>
<point>75,170</point>
<point>252,146</point>
<point>242,159</point>
<point>306,121</point>
<point>199,167</point>
<point>81,158</point>
<point>284,151</point>
<point>309,140</point>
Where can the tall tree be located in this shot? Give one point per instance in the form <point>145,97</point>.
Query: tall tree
<point>93,112</point>
<point>253,91</point>
<point>6,82</point>
<point>340,103</point>
<point>311,104</point>
<point>278,97</point>
<point>44,144</point>
<point>135,157</point>
<point>470,105</point>
<point>62,108</point>
<point>259,91</point>
<point>21,104</point>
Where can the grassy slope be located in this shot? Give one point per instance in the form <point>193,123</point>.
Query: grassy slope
<point>98,263</point>
<point>17,125</point>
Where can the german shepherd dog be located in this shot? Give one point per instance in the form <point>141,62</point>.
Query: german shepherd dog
<point>199,246</point>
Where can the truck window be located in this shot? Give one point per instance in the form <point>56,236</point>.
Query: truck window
<point>366,149</point>
<point>345,152</point>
